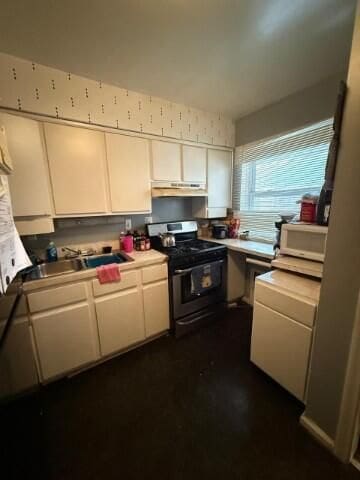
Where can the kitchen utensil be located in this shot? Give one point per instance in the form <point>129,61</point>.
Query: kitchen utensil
<point>167,239</point>
<point>244,235</point>
<point>219,231</point>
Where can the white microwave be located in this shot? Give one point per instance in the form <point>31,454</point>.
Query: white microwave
<point>304,241</point>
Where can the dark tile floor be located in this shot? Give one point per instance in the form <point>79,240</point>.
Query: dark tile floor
<point>193,408</point>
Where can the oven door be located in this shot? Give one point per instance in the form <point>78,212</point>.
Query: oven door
<point>185,301</point>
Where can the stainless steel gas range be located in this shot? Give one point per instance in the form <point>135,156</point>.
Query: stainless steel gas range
<point>197,275</point>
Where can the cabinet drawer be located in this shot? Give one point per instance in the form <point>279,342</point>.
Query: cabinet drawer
<point>128,280</point>
<point>281,347</point>
<point>56,297</point>
<point>294,306</point>
<point>154,273</point>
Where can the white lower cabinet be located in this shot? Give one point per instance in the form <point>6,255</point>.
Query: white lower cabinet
<point>156,308</point>
<point>17,362</point>
<point>120,320</point>
<point>75,324</point>
<point>284,315</point>
<point>280,346</point>
<point>64,338</point>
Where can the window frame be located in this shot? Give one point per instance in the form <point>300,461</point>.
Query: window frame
<point>251,194</point>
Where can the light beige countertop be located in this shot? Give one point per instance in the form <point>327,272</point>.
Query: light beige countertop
<point>140,259</point>
<point>299,265</point>
<point>303,286</point>
<point>250,247</point>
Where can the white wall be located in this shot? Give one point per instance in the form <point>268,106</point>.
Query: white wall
<point>30,87</point>
<point>307,106</point>
<point>97,232</point>
<point>341,280</point>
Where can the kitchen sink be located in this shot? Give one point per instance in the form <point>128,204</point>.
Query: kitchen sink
<point>75,264</point>
<point>106,259</point>
<point>52,269</point>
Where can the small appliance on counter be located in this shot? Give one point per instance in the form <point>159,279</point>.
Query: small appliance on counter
<point>284,219</point>
<point>197,274</point>
<point>220,231</point>
<point>304,241</point>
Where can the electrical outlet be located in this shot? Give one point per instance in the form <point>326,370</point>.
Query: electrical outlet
<point>128,224</point>
<point>148,220</point>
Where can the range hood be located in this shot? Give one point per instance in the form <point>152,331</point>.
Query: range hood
<point>178,189</point>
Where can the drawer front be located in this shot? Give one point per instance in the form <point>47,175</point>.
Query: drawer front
<point>57,297</point>
<point>154,273</point>
<point>281,348</point>
<point>128,280</point>
<point>298,308</point>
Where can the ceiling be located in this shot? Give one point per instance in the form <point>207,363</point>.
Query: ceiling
<point>227,56</point>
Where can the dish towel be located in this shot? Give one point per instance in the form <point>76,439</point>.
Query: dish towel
<point>108,273</point>
<point>204,278</point>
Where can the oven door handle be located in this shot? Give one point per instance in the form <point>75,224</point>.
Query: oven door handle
<point>182,272</point>
<point>188,270</point>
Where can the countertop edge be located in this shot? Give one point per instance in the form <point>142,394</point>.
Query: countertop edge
<point>242,247</point>
<point>88,274</point>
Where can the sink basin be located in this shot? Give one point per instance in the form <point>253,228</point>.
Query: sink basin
<point>106,259</point>
<point>75,264</point>
<point>56,268</point>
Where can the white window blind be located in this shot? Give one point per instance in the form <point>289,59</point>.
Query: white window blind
<point>270,175</point>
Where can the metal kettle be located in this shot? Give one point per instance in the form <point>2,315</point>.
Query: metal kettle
<point>167,239</point>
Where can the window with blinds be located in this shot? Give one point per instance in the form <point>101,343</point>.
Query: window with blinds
<point>270,175</point>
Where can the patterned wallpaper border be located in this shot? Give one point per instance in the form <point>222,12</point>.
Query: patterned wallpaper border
<point>31,87</point>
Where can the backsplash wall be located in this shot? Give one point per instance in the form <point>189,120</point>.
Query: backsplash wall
<point>99,231</point>
<point>30,87</point>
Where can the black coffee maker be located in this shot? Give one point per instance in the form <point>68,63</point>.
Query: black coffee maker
<point>278,225</point>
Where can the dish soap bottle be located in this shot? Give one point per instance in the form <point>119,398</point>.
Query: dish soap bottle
<point>51,252</point>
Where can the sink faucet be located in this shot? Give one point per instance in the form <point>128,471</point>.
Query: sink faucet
<point>70,250</point>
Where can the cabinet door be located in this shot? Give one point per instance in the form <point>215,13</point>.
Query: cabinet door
<point>77,169</point>
<point>120,320</point>
<point>194,164</point>
<point>166,161</point>
<point>17,362</point>
<point>64,339</point>
<point>281,347</point>
<point>219,178</point>
<point>156,308</point>
<point>29,183</point>
<point>129,173</point>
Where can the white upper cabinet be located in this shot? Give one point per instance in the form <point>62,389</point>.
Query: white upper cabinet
<point>77,169</point>
<point>194,164</point>
<point>219,178</point>
<point>166,161</point>
<point>129,173</point>
<point>29,183</point>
